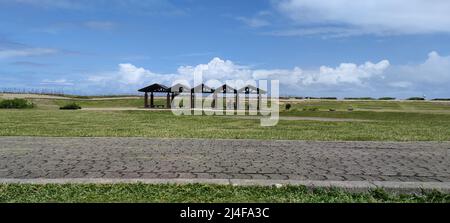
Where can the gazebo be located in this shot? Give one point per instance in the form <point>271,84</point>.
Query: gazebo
<point>202,89</point>
<point>225,89</point>
<point>178,89</point>
<point>249,89</point>
<point>155,88</point>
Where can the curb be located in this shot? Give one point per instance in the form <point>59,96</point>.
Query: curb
<point>350,186</point>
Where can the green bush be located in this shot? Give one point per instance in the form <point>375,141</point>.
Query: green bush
<point>71,106</point>
<point>441,99</point>
<point>416,99</point>
<point>16,103</point>
<point>288,106</point>
<point>386,98</point>
<point>329,98</point>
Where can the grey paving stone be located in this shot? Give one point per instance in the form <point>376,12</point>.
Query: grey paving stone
<point>146,158</point>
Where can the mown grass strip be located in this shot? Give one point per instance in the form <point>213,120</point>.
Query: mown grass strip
<point>139,192</point>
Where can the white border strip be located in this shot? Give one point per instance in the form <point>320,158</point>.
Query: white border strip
<point>354,186</point>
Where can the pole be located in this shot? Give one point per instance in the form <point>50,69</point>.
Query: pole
<point>168,100</point>
<point>151,100</point>
<point>146,100</point>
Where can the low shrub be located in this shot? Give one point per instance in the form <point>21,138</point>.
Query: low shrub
<point>71,106</point>
<point>329,98</point>
<point>310,109</point>
<point>386,98</point>
<point>288,106</point>
<point>16,103</point>
<point>441,99</point>
<point>331,109</point>
<point>350,109</point>
<point>415,99</point>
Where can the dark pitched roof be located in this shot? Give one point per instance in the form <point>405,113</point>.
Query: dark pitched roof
<point>225,89</point>
<point>202,88</point>
<point>154,88</point>
<point>179,88</point>
<point>249,89</point>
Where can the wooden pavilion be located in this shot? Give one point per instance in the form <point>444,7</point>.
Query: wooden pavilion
<point>249,89</point>
<point>225,89</point>
<point>172,92</point>
<point>154,88</point>
<point>200,89</point>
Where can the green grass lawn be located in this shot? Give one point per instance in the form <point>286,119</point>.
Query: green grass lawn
<point>374,105</point>
<point>404,121</point>
<point>383,126</point>
<point>199,193</point>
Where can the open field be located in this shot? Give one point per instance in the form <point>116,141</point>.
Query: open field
<point>380,121</point>
<point>200,193</point>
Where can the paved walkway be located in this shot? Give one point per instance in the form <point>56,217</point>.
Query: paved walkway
<point>144,158</point>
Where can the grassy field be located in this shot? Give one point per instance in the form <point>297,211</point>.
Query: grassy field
<point>383,126</point>
<point>372,105</point>
<point>199,193</point>
<point>383,120</point>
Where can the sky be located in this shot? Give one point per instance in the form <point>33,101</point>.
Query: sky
<point>335,48</point>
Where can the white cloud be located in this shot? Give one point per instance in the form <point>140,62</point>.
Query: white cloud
<point>382,17</point>
<point>225,70</point>
<point>434,71</point>
<point>216,69</point>
<point>346,79</point>
<point>253,22</point>
<point>130,74</point>
<point>25,52</point>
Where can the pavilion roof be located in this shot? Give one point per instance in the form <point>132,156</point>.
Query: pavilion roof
<point>202,88</point>
<point>225,89</point>
<point>154,88</point>
<point>178,88</point>
<point>250,89</point>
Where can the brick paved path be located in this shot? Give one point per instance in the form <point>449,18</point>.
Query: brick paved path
<point>39,157</point>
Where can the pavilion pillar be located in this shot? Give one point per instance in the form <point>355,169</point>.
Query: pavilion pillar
<point>214,102</point>
<point>146,100</point>
<point>235,100</point>
<point>192,100</point>
<point>168,100</point>
<point>152,101</point>
<point>172,96</point>
<point>258,99</point>
<point>258,102</point>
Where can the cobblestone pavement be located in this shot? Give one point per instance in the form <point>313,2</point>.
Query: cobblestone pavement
<point>42,157</point>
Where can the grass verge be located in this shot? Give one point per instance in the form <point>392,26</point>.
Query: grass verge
<point>200,193</point>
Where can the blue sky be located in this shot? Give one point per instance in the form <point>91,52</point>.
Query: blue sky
<point>315,48</point>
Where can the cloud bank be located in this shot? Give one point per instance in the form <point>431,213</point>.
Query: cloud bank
<point>381,17</point>
<point>346,79</point>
